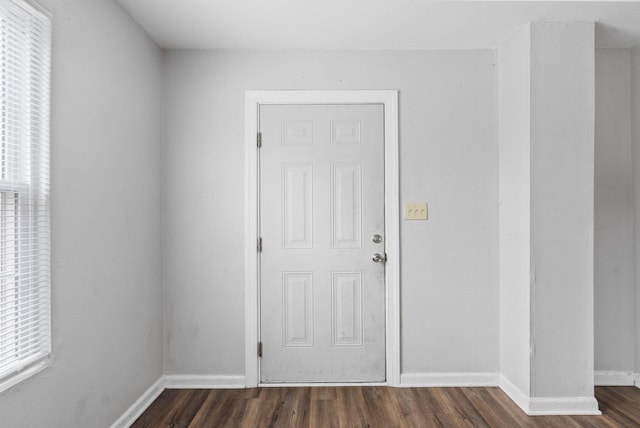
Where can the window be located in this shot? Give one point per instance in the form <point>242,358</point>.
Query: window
<point>25,327</point>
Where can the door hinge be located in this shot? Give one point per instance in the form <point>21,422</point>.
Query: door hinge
<point>259,139</point>
<point>259,349</point>
<point>259,245</point>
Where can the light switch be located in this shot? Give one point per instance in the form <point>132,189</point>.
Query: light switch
<point>416,211</point>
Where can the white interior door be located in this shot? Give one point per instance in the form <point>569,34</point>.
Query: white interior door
<point>322,296</point>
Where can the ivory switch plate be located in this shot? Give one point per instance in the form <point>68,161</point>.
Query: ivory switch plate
<point>416,211</point>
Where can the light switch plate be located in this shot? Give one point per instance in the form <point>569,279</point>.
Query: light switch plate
<point>416,211</point>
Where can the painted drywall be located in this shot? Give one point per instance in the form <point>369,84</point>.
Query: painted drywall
<point>448,158</point>
<point>106,224</point>
<point>635,132</point>
<point>614,266</point>
<point>515,237</point>
<point>370,24</point>
<point>562,204</point>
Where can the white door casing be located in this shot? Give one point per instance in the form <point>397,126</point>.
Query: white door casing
<point>253,101</point>
<point>321,186</point>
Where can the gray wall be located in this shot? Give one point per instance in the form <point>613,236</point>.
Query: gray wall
<point>515,210</point>
<point>562,200</point>
<point>448,157</point>
<point>106,199</point>
<point>546,214</point>
<point>614,266</point>
<point>635,132</point>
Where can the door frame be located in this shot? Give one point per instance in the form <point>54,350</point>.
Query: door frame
<point>389,99</point>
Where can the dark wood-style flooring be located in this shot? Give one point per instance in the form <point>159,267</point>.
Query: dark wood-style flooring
<point>372,406</point>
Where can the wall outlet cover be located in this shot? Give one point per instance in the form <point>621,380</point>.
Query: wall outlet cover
<point>416,211</point>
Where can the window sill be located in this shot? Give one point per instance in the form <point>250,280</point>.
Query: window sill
<point>16,378</point>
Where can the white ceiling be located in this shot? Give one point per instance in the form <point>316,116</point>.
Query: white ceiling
<point>368,24</point>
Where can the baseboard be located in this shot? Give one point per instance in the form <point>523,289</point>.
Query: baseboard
<point>176,382</point>
<point>448,379</point>
<point>614,378</point>
<point>141,404</point>
<point>531,406</point>
<point>637,380</point>
<point>549,406</point>
<point>555,406</point>
<point>515,394</point>
<point>204,382</point>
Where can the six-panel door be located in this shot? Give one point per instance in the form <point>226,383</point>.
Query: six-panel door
<point>322,297</point>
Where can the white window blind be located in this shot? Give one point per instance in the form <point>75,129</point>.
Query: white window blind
<point>25,58</point>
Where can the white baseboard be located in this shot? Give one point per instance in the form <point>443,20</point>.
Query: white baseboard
<point>141,404</point>
<point>614,378</point>
<point>317,384</point>
<point>549,406</point>
<point>563,406</point>
<point>637,380</point>
<point>516,394</point>
<point>175,382</point>
<point>531,406</point>
<point>448,379</point>
<point>204,382</point>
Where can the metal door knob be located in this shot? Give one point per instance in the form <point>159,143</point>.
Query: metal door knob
<point>379,258</point>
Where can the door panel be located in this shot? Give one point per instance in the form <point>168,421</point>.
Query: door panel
<point>297,197</point>
<point>297,294</point>
<point>346,309</point>
<point>346,205</point>
<point>321,200</point>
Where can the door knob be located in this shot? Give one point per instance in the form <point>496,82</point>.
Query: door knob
<point>379,258</point>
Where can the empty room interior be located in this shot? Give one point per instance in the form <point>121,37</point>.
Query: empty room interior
<point>476,163</point>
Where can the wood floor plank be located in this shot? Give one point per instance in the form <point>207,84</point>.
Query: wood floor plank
<point>349,407</point>
<point>177,411</point>
<point>444,413</point>
<point>388,408</point>
<point>323,413</point>
<point>323,393</point>
<point>485,405</point>
<point>465,410</point>
<point>504,404</point>
<point>264,407</point>
<point>213,408</point>
<point>373,406</point>
<point>300,413</point>
<point>239,413</point>
<point>279,414</point>
<point>412,410</point>
<point>614,399</point>
<point>157,411</point>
